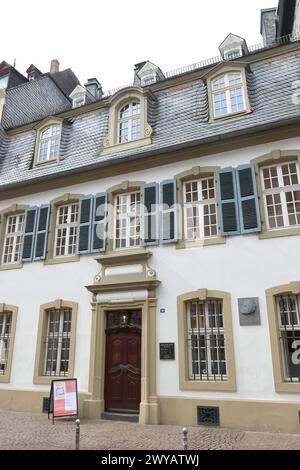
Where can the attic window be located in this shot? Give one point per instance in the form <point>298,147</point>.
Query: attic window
<point>3,82</point>
<point>233,53</point>
<point>48,142</point>
<point>129,122</point>
<point>148,79</point>
<point>228,94</point>
<point>77,102</point>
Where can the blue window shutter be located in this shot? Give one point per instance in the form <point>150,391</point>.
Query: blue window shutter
<point>29,233</point>
<point>84,225</point>
<point>150,214</point>
<point>40,244</point>
<point>228,202</point>
<point>248,199</point>
<point>99,223</point>
<point>168,212</point>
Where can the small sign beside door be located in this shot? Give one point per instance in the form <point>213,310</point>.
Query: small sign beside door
<point>166,351</point>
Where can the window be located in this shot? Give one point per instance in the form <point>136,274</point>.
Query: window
<point>49,140</point>
<point>5,336</point>
<point>129,122</point>
<point>55,350</point>
<point>206,340</point>
<point>233,53</point>
<point>281,193</point>
<point>200,211</point>
<point>13,239</point>
<point>289,335</point>
<point>228,94</point>
<point>57,342</point>
<point>3,82</point>
<point>66,230</point>
<point>127,220</point>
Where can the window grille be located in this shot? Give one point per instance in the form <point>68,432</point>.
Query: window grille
<point>206,341</point>
<point>289,335</point>
<point>5,334</point>
<point>57,342</point>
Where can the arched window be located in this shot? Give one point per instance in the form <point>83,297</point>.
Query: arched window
<point>228,94</point>
<point>129,122</point>
<point>49,140</point>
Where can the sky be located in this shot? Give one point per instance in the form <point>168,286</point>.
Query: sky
<point>105,38</point>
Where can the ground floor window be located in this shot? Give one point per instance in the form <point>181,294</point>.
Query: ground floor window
<point>289,335</point>
<point>206,340</point>
<point>5,336</point>
<point>57,342</point>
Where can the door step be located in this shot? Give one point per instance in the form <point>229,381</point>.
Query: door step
<point>132,418</point>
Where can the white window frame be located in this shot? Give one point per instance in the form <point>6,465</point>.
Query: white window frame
<point>4,350</point>
<point>290,327</point>
<point>60,335</point>
<point>14,236</point>
<point>205,332</point>
<point>226,90</point>
<point>66,226</point>
<point>200,207</point>
<point>126,217</point>
<point>129,119</point>
<point>50,141</point>
<point>237,51</point>
<point>281,190</point>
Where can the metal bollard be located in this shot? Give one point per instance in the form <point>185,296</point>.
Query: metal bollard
<point>185,439</point>
<point>77,435</point>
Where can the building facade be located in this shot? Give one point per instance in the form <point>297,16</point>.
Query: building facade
<point>149,239</point>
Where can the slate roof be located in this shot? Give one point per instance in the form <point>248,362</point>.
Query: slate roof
<point>179,117</point>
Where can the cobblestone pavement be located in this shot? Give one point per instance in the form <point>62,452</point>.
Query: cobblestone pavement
<point>34,431</point>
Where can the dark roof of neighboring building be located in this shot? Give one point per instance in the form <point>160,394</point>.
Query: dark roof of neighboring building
<point>66,80</point>
<point>286,14</point>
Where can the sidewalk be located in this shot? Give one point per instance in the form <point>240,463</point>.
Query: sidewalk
<point>35,431</point>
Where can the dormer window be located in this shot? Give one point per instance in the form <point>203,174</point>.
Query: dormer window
<point>228,94</point>
<point>78,96</point>
<point>129,122</point>
<point>3,82</point>
<point>233,53</point>
<point>77,102</point>
<point>49,144</point>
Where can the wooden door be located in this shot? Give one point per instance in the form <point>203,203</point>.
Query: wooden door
<point>123,371</point>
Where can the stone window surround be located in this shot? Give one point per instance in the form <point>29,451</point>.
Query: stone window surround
<point>38,377</point>
<point>280,384</point>
<point>272,158</point>
<point>51,121</point>
<point>14,209</point>
<point>14,311</point>
<point>185,383</point>
<point>66,198</point>
<point>117,101</point>
<point>181,178</point>
<point>124,187</point>
<point>222,70</point>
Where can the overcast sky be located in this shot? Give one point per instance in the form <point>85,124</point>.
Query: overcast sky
<point>105,38</point>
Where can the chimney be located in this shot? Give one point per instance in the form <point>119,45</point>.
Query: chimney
<point>54,67</point>
<point>268,26</point>
<point>33,72</point>
<point>94,88</point>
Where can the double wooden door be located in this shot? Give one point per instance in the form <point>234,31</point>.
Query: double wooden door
<point>123,370</point>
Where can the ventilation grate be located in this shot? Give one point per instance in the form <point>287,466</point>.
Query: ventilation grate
<point>208,415</point>
<point>45,404</point>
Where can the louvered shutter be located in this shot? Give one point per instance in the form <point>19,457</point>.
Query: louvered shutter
<point>227,202</point>
<point>29,233</point>
<point>248,199</point>
<point>84,224</point>
<point>99,223</point>
<point>150,214</point>
<point>40,244</point>
<point>168,214</point>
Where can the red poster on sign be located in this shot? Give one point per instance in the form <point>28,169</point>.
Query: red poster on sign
<point>64,395</point>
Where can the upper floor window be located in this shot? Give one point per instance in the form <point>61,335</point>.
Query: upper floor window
<point>206,340</point>
<point>66,230</point>
<point>3,82</point>
<point>127,220</point>
<point>13,239</point>
<point>129,122</point>
<point>5,335</point>
<point>49,140</point>
<point>281,192</point>
<point>289,335</point>
<point>228,94</point>
<point>200,209</point>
